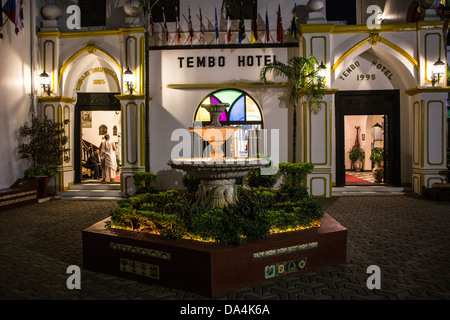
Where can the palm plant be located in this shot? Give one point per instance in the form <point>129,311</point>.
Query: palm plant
<point>302,76</point>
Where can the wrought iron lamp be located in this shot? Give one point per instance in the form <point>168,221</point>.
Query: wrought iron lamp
<point>437,72</point>
<point>128,78</point>
<point>44,80</point>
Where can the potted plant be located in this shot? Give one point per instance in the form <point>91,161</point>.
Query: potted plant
<point>377,156</point>
<point>43,144</point>
<point>357,155</point>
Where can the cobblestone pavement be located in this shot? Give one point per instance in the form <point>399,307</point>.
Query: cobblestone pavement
<point>407,237</point>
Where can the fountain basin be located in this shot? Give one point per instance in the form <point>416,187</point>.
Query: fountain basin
<point>218,185</point>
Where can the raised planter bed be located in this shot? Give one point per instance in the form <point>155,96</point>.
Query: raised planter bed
<point>211,269</point>
<point>23,192</point>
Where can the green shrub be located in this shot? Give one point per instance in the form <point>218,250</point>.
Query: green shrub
<point>173,214</point>
<point>357,154</point>
<point>294,173</point>
<point>191,183</point>
<point>143,182</point>
<point>256,179</point>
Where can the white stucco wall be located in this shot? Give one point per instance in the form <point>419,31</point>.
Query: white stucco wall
<point>15,102</point>
<point>174,107</point>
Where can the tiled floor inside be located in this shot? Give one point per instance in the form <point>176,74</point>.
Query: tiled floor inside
<point>367,176</point>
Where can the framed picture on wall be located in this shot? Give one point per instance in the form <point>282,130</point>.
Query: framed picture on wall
<point>86,119</point>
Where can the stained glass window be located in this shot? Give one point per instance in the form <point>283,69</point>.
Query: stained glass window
<point>243,112</point>
<point>243,109</point>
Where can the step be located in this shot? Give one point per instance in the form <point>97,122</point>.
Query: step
<point>94,191</point>
<point>368,191</point>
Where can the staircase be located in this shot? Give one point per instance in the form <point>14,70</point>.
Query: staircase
<point>93,191</point>
<point>368,191</point>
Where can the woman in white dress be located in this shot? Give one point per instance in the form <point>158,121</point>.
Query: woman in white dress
<point>108,157</point>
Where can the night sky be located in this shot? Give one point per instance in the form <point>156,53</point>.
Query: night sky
<point>341,10</point>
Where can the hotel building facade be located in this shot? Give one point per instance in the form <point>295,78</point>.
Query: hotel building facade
<point>380,73</point>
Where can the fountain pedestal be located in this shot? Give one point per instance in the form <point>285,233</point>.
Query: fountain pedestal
<point>216,172</point>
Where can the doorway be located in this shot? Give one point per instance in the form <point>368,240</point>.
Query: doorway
<point>366,120</point>
<point>96,114</point>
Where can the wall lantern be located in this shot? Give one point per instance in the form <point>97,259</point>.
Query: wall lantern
<point>437,72</point>
<point>44,80</point>
<point>322,72</point>
<point>377,132</point>
<point>128,78</point>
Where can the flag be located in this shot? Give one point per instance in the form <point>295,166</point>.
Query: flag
<point>19,16</point>
<point>217,26</point>
<point>294,23</point>
<point>9,9</point>
<point>191,31</point>
<point>178,25</point>
<point>1,15</point>
<point>241,25</point>
<point>202,29</point>
<point>150,29</point>
<point>165,25</point>
<point>280,32</point>
<point>229,29</point>
<point>267,26</point>
<point>254,36</point>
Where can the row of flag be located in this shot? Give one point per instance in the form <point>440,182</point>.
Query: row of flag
<point>13,10</point>
<point>242,33</point>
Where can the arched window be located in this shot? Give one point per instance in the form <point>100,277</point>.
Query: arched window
<point>102,130</point>
<point>243,109</point>
<point>243,112</point>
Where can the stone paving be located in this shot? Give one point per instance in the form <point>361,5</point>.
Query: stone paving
<point>407,237</point>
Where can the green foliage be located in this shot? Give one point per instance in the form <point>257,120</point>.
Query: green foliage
<point>143,182</point>
<point>174,214</point>
<point>357,154</point>
<point>191,183</point>
<point>377,155</point>
<point>302,76</point>
<point>256,179</point>
<point>294,173</point>
<point>43,144</point>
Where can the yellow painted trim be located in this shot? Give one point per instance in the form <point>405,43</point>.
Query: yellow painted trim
<point>142,64</point>
<point>426,52</point>
<point>77,54</point>
<point>56,99</point>
<point>53,71</point>
<point>369,40</point>
<point>67,130</point>
<point>348,53</point>
<point>405,54</point>
<point>128,41</point>
<point>142,125</point>
<point>416,132</point>
<point>128,127</point>
<point>436,178</point>
<point>422,125</point>
<point>83,34</point>
<point>224,85</point>
<point>443,149</point>
<point>418,90</point>
<point>129,97</point>
<point>324,187</point>
<point>395,27</point>
<point>324,109</point>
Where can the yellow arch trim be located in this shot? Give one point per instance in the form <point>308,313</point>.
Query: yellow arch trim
<point>90,49</point>
<point>369,40</point>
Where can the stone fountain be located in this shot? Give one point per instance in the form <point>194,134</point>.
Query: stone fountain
<point>217,172</point>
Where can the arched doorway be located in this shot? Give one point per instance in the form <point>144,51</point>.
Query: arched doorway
<point>243,112</point>
<point>89,102</point>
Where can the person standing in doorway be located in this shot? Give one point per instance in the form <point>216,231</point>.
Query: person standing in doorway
<point>108,158</point>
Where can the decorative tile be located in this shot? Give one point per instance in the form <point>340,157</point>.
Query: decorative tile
<point>285,250</point>
<point>284,268</point>
<point>141,251</point>
<point>139,268</point>
<point>270,271</point>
